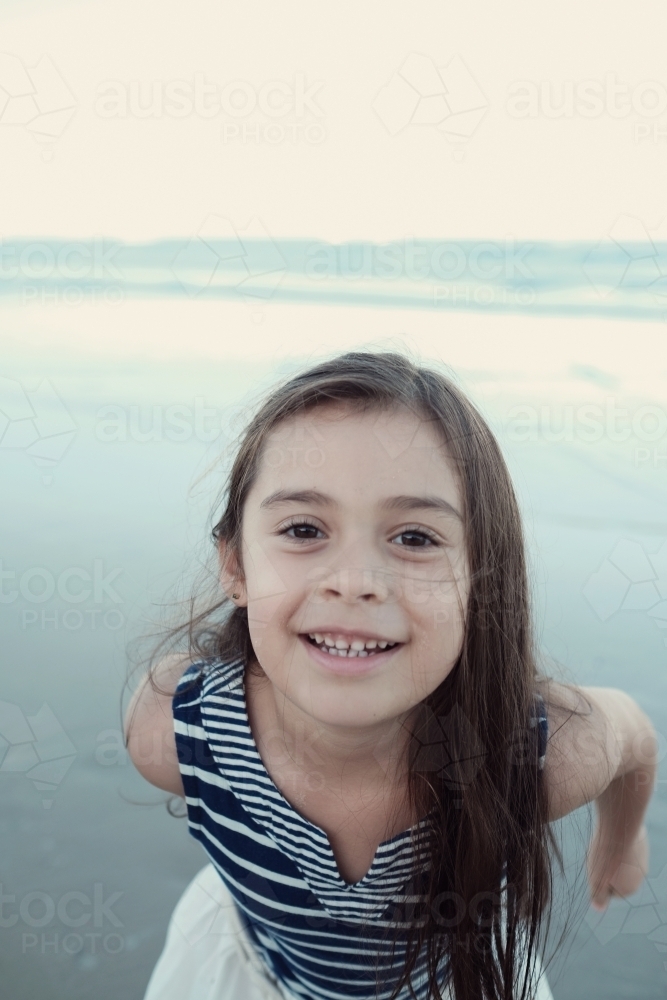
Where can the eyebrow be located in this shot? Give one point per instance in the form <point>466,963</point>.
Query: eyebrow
<point>317,499</point>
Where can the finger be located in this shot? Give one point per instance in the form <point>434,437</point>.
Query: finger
<point>600,902</point>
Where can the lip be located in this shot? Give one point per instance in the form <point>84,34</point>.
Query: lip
<point>348,666</point>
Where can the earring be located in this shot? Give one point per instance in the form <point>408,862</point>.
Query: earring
<point>235,595</point>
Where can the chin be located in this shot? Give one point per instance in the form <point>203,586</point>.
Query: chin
<point>349,707</point>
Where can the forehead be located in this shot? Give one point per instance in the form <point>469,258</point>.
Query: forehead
<point>372,451</point>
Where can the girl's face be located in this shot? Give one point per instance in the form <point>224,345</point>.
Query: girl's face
<point>353,537</point>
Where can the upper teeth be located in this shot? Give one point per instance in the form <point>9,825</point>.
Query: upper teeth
<point>358,646</point>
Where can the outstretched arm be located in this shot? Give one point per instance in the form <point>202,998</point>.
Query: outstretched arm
<point>610,756</point>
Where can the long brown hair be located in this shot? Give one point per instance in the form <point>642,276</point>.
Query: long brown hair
<point>489,841</point>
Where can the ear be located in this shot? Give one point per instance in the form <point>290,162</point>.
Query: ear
<point>231,577</point>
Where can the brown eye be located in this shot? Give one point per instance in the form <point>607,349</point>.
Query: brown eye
<point>414,535</point>
<point>304,531</point>
<point>419,539</point>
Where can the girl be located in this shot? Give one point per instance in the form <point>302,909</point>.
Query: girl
<point>361,735</point>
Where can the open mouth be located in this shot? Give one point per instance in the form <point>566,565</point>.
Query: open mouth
<point>349,647</point>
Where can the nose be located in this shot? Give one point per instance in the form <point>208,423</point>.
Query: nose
<point>353,584</point>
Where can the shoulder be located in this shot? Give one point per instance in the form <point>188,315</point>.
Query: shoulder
<point>149,721</point>
<point>174,690</point>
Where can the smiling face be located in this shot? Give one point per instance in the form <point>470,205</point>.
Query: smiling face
<point>352,539</point>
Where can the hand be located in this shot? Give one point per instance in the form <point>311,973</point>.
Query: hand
<point>616,872</point>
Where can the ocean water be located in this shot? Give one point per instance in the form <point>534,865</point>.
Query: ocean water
<point>624,275</point>
<point>111,461</point>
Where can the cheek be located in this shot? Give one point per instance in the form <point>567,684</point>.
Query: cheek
<point>447,622</point>
<point>438,641</point>
<point>418,676</point>
<point>440,606</point>
<point>264,577</point>
<point>267,590</point>
<point>275,589</point>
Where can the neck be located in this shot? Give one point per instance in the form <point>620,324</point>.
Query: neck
<point>373,754</point>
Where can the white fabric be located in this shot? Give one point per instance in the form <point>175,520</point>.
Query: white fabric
<point>207,954</point>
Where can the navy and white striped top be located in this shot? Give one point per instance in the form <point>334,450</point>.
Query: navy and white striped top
<point>320,937</point>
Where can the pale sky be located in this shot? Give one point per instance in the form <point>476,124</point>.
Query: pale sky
<point>371,121</point>
<point>137,179</point>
